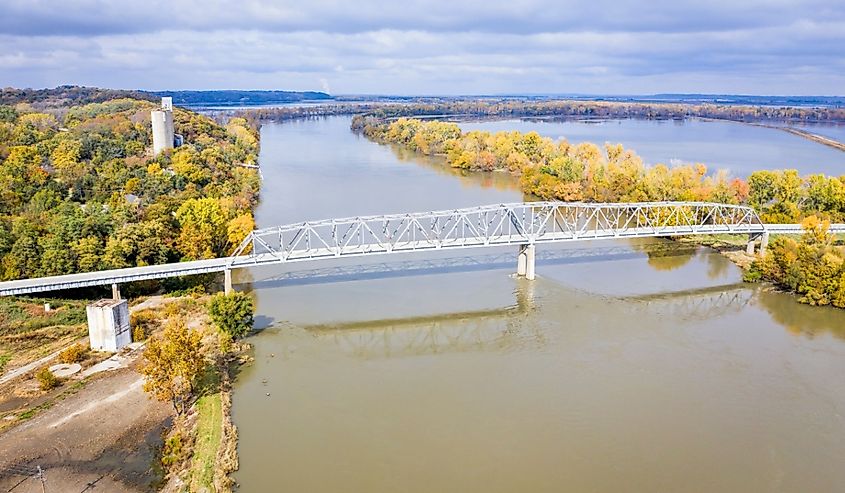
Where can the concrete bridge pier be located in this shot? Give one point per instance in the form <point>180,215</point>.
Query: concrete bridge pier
<point>752,239</point>
<point>525,262</point>
<point>115,291</point>
<point>227,281</point>
<point>749,247</point>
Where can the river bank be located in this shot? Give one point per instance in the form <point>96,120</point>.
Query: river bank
<point>807,135</point>
<point>98,427</point>
<point>101,428</point>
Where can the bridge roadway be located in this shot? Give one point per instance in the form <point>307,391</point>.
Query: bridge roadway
<point>523,224</point>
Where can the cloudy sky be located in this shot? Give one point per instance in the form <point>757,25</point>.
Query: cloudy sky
<point>429,47</point>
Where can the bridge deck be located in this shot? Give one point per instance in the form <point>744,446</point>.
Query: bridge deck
<point>114,276</point>
<point>486,226</point>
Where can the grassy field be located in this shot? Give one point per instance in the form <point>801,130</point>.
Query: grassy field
<point>209,431</point>
<point>28,332</point>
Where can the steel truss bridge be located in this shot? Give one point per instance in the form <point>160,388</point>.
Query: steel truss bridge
<point>519,224</point>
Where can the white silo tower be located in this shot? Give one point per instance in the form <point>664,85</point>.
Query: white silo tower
<point>163,126</point>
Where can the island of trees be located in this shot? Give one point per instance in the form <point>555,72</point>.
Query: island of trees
<point>560,170</point>
<point>554,108</point>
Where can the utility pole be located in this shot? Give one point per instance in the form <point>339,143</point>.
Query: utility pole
<point>43,481</point>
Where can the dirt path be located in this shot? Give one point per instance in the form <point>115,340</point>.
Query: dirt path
<point>100,439</point>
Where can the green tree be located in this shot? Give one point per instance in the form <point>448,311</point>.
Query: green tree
<point>24,257</point>
<point>232,313</point>
<point>88,253</point>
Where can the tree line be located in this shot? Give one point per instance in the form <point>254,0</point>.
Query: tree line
<point>80,190</point>
<point>813,267</point>
<point>560,170</point>
<point>369,111</point>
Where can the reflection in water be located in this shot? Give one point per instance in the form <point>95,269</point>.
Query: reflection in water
<point>695,304</point>
<point>503,181</point>
<point>456,332</point>
<point>501,329</point>
<point>669,257</point>
<point>509,328</point>
<point>798,318</point>
<point>674,255</point>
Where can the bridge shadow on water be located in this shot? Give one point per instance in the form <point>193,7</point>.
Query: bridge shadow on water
<point>523,325</point>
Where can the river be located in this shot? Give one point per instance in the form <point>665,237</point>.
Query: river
<point>736,147</point>
<point>625,366</point>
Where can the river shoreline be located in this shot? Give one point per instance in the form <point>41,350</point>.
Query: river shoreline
<point>819,139</point>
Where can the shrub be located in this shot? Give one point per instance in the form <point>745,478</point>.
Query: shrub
<point>46,379</point>
<point>73,354</point>
<point>138,333</point>
<point>143,323</point>
<point>232,313</point>
<point>171,452</point>
<point>810,267</point>
<point>753,273</point>
<point>172,310</point>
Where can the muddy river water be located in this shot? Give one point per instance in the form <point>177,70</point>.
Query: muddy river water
<point>625,366</point>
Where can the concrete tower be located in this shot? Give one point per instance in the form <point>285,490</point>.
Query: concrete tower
<point>163,126</point>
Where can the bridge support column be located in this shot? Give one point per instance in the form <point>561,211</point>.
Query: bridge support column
<point>521,261</point>
<point>227,281</point>
<point>749,247</point>
<point>529,262</point>
<point>764,242</point>
<point>525,262</point>
<point>115,291</point>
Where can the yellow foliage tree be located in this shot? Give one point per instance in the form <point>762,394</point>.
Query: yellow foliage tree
<point>238,228</point>
<point>172,363</point>
<point>203,228</point>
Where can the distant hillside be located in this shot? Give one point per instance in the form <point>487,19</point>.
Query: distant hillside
<point>240,98</point>
<point>65,96</point>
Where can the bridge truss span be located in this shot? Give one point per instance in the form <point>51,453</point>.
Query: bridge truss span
<point>503,224</point>
<point>524,224</point>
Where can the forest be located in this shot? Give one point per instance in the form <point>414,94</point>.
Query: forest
<point>80,190</point>
<point>563,108</point>
<point>66,96</point>
<point>559,170</point>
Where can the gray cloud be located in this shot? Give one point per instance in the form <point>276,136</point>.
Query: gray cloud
<point>429,47</point>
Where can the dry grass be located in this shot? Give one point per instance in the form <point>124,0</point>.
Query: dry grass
<point>28,332</point>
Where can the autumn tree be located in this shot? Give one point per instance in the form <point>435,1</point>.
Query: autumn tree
<point>238,228</point>
<point>87,196</point>
<point>173,361</point>
<point>810,267</point>
<point>203,228</point>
